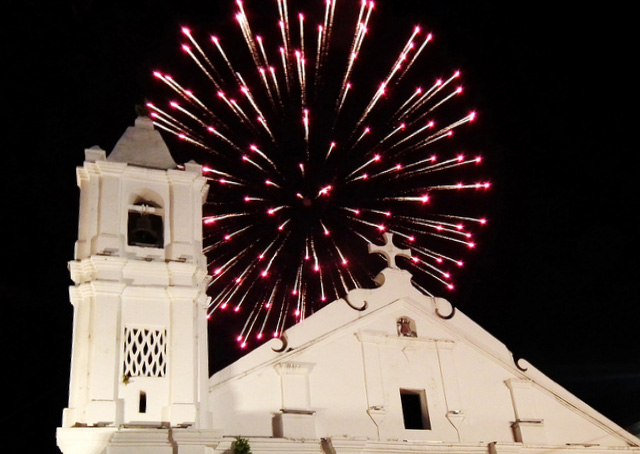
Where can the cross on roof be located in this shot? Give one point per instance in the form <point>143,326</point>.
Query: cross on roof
<point>389,250</point>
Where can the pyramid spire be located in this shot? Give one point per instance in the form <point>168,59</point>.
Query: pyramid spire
<point>141,145</point>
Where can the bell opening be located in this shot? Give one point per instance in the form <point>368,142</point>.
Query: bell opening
<point>145,230</point>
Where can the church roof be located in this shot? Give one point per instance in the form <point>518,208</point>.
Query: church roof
<point>357,312</point>
<point>141,145</point>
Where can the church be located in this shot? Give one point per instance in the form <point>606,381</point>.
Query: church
<point>382,370</point>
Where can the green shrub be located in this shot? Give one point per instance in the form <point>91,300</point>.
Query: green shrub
<point>241,446</point>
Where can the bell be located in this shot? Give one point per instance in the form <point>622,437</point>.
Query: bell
<point>143,232</point>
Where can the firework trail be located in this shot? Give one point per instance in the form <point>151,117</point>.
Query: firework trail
<point>312,153</point>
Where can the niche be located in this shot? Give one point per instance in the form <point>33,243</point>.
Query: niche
<point>406,327</point>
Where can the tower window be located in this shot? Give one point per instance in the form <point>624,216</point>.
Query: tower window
<point>145,352</point>
<point>142,403</point>
<point>414,409</point>
<point>145,226</point>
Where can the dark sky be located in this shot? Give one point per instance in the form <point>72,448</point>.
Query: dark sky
<point>555,278</point>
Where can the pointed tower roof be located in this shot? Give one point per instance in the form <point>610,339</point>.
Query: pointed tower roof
<point>141,145</point>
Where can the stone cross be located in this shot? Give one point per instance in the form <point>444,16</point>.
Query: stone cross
<point>389,251</point>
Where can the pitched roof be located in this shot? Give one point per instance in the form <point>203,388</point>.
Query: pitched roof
<point>395,288</point>
<point>141,145</point>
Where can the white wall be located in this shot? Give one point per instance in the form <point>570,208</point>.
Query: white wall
<point>358,364</point>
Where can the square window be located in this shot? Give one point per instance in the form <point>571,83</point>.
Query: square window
<point>414,409</point>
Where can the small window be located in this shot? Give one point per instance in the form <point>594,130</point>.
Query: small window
<point>142,403</point>
<point>414,409</point>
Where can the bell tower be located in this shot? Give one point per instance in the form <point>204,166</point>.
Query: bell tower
<point>139,354</point>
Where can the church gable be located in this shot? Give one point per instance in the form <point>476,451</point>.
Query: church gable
<point>392,364</point>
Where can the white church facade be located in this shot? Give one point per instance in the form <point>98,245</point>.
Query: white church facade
<point>383,370</point>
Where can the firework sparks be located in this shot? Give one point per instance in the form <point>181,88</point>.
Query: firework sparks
<point>310,166</point>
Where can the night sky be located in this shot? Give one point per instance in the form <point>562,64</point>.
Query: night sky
<point>555,277</point>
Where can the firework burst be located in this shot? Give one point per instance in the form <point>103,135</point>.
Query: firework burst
<point>311,154</point>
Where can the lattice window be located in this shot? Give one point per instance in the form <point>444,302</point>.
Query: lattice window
<point>145,352</point>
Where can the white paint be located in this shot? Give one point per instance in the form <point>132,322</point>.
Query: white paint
<point>334,389</point>
<point>474,391</point>
<point>157,292</point>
